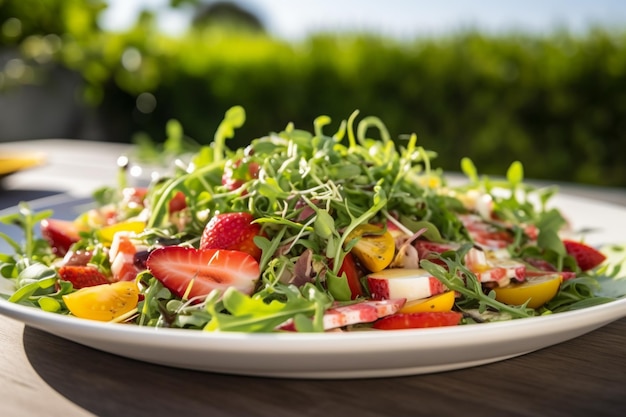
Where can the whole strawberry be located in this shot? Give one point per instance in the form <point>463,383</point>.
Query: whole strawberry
<point>232,231</point>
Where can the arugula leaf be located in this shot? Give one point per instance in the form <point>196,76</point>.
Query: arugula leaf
<point>460,279</point>
<point>245,313</point>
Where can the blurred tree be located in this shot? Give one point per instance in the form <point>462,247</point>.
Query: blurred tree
<point>23,18</point>
<point>226,15</point>
<point>35,83</point>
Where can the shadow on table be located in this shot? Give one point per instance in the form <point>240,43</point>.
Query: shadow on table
<point>545,383</point>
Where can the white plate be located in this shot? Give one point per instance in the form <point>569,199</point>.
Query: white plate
<point>346,355</point>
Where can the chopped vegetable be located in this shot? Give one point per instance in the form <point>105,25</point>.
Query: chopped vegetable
<point>534,292</point>
<point>104,302</point>
<point>436,303</point>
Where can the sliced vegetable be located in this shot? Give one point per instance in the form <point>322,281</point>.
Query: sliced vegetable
<point>535,290</point>
<point>108,232</point>
<point>418,320</point>
<point>375,247</point>
<point>103,302</point>
<point>122,256</point>
<point>489,269</point>
<point>406,283</point>
<point>363,312</point>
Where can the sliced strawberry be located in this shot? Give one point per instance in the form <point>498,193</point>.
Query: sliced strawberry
<point>60,234</point>
<point>82,276</point>
<point>418,320</point>
<point>232,231</point>
<point>190,273</point>
<point>586,256</point>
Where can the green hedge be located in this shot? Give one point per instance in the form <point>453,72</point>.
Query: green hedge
<point>557,103</point>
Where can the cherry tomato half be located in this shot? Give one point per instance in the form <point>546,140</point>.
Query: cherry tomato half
<point>536,290</point>
<point>436,303</point>
<point>375,248</point>
<point>103,302</point>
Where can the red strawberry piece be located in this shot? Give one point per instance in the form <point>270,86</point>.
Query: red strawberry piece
<point>418,320</point>
<point>82,276</point>
<point>238,172</point>
<point>190,273</point>
<point>232,231</point>
<point>177,203</point>
<point>60,234</point>
<point>586,257</point>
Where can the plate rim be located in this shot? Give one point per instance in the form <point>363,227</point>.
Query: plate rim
<point>602,313</point>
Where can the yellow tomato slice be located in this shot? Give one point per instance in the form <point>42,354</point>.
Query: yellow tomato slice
<point>103,302</point>
<point>108,232</point>
<point>436,303</point>
<point>536,290</point>
<point>375,247</point>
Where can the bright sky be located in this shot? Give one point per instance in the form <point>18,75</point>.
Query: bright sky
<point>295,19</point>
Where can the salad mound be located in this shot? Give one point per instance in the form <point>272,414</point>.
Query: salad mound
<point>306,231</point>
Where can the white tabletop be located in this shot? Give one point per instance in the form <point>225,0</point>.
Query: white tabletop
<point>71,166</point>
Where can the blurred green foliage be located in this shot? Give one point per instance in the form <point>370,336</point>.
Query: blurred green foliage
<point>556,102</point>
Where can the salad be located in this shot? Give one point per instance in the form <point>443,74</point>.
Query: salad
<point>308,231</point>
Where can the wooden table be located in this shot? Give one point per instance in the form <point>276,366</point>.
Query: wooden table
<point>41,374</point>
